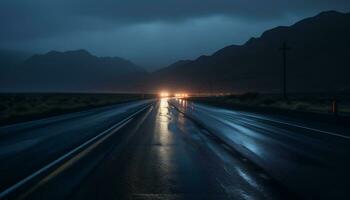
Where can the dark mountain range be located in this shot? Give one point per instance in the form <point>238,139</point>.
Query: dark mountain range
<point>319,61</point>
<point>12,57</point>
<point>72,71</point>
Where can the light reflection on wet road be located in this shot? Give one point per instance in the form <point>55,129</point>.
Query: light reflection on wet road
<point>308,157</point>
<point>161,155</point>
<point>168,157</point>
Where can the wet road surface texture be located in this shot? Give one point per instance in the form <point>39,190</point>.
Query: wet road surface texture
<point>155,153</point>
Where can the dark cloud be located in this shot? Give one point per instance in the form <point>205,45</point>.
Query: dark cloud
<point>152,32</point>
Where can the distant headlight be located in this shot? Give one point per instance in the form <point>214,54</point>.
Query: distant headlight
<point>164,94</point>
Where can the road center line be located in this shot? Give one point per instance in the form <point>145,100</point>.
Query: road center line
<point>95,139</point>
<point>294,125</point>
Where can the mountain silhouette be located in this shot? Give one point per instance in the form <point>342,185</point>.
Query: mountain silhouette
<point>73,71</point>
<point>319,61</point>
<point>9,58</point>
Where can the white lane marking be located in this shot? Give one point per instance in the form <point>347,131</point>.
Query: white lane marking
<point>298,126</point>
<point>313,129</point>
<point>117,126</point>
<point>69,162</point>
<point>290,124</point>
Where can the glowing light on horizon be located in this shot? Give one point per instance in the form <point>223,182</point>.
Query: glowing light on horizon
<point>181,95</point>
<point>164,94</point>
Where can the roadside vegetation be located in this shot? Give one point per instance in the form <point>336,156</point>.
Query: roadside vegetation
<point>302,102</point>
<point>23,107</point>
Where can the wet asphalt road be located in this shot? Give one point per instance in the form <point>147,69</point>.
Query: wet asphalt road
<point>311,158</point>
<point>28,147</point>
<point>151,150</point>
<point>159,154</point>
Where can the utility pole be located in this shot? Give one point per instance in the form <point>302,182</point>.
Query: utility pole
<point>285,49</point>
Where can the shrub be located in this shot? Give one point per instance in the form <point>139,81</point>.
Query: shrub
<point>249,96</point>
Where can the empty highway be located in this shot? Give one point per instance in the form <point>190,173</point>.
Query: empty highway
<point>172,149</point>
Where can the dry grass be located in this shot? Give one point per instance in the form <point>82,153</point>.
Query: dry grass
<point>14,107</point>
<point>307,103</point>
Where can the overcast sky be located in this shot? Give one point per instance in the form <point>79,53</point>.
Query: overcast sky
<point>151,33</point>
